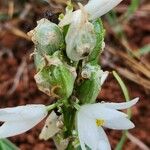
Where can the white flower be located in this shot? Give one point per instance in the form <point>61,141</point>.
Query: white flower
<point>19,119</point>
<point>97,8</point>
<point>94,8</point>
<point>50,128</point>
<point>92,117</point>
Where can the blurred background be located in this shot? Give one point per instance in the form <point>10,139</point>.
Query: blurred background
<point>127,51</point>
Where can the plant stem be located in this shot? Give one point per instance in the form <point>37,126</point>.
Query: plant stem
<point>127,97</point>
<point>124,90</point>
<point>52,106</point>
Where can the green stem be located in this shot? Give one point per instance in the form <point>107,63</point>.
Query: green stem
<point>60,102</point>
<point>127,97</point>
<point>52,106</point>
<point>6,144</point>
<point>70,146</point>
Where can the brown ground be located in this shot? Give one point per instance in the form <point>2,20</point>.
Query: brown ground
<point>14,57</point>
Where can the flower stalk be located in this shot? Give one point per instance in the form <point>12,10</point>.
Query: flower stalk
<point>51,107</point>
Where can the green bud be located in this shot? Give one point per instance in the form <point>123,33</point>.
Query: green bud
<point>47,37</point>
<point>80,38</point>
<point>88,90</point>
<point>55,79</point>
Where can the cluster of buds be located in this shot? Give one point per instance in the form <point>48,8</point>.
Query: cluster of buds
<point>66,57</point>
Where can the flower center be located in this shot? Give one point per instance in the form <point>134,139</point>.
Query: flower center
<point>100,122</point>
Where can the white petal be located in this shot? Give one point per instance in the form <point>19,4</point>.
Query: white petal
<point>104,77</point>
<point>98,111</point>
<point>90,134</point>
<point>68,18</point>
<point>97,8</point>
<point>50,128</point>
<point>103,142</point>
<point>11,128</point>
<point>123,105</point>
<point>21,113</point>
<point>94,5</point>
<point>87,132</point>
<point>119,124</point>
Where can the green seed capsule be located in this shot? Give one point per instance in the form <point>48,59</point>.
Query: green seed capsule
<point>47,37</point>
<point>56,81</point>
<point>88,90</point>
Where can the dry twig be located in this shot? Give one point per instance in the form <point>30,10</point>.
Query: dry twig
<point>18,75</point>
<point>137,142</point>
<point>133,71</point>
<point>16,31</point>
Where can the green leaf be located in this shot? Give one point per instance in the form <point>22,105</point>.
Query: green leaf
<point>98,27</point>
<point>5,144</point>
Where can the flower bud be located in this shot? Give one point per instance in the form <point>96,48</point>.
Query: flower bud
<point>55,79</point>
<point>80,38</point>
<point>94,77</point>
<point>47,37</point>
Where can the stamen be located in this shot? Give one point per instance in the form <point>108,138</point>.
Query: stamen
<point>100,122</point>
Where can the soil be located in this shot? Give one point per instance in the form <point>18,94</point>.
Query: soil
<point>15,53</point>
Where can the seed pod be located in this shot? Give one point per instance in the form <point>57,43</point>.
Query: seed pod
<point>80,38</point>
<point>55,80</point>
<point>88,90</point>
<point>47,37</point>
